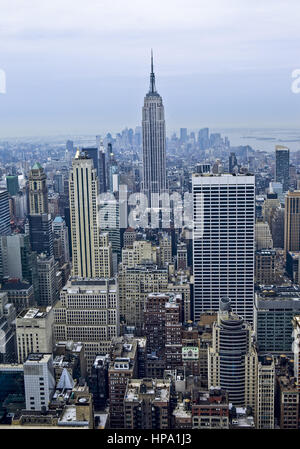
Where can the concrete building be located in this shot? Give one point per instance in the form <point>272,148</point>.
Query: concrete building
<point>232,358</point>
<point>223,251</point>
<point>292,221</point>
<point>60,229</point>
<point>98,381</point>
<point>265,273</point>
<point>265,415</point>
<point>141,252</point>
<point>38,191</point>
<point>274,310</point>
<point>282,169</point>
<point>88,311</point>
<point>69,355</point>
<point>134,286</point>
<point>123,367</point>
<point>7,329</point>
<point>39,381</point>
<point>91,252</point>
<point>5,228</point>
<point>34,332</point>
<point>147,404</point>
<point>263,237</point>
<point>210,410</point>
<point>162,328</point>
<point>40,231</point>
<point>20,294</point>
<point>46,272</point>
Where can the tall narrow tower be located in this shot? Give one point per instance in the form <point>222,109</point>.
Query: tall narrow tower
<point>83,186</point>
<point>154,141</point>
<point>38,191</point>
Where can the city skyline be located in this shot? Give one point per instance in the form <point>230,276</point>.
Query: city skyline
<point>74,69</point>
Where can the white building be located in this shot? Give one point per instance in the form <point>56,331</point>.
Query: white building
<point>39,381</point>
<point>88,311</point>
<point>223,243</point>
<point>34,332</point>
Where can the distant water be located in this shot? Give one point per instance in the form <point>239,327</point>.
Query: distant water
<point>262,139</point>
<point>257,138</point>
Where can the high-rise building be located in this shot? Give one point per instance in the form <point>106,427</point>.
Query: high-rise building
<point>162,328</point>
<point>41,235</point>
<point>34,332</point>
<point>265,273</point>
<point>60,229</point>
<point>232,358</point>
<point>12,184</point>
<point>182,256</point>
<point>102,169</point>
<point>154,142</point>
<point>183,135</point>
<point>292,221</point>
<point>123,367</point>
<point>16,259</point>
<point>223,251</point>
<point>98,381</point>
<point>38,191</point>
<point>4,213</point>
<point>282,173</point>
<point>88,311</point>
<point>265,416</point>
<point>203,138</point>
<point>92,153</point>
<point>7,329</point>
<point>232,162</point>
<point>39,381</point>
<point>274,310</point>
<point>135,284</point>
<point>83,186</point>
<point>46,272</point>
<point>263,236</point>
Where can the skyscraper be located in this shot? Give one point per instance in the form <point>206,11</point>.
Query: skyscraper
<point>223,252</point>
<point>154,142</point>
<point>292,221</point>
<point>4,213</point>
<point>282,166</point>
<point>83,186</point>
<point>39,381</point>
<point>40,231</point>
<point>12,184</point>
<point>232,357</point>
<point>91,250</point>
<point>38,191</point>
<point>232,162</point>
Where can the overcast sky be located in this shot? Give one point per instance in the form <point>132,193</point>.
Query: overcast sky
<point>82,66</point>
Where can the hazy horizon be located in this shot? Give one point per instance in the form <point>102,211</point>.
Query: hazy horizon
<point>83,68</point>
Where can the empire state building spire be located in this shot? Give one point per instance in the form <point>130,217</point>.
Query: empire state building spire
<point>152,89</point>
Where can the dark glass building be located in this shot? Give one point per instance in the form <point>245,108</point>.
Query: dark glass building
<point>40,229</point>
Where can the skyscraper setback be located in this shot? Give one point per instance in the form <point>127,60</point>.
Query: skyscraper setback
<point>154,143</point>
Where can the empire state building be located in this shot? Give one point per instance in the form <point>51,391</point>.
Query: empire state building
<point>154,143</point>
